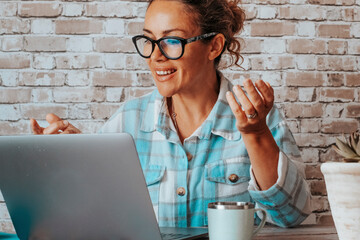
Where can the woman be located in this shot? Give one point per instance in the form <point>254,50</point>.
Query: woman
<point>196,143</point>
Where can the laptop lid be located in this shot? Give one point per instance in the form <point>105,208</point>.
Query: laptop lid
<point>76,187</point>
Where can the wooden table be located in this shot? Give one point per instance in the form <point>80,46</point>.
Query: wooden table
<point>303,232</point>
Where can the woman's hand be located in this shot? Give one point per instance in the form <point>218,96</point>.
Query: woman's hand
<point>56,126</point>
<point>253,108</point>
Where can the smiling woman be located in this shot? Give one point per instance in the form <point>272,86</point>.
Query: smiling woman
<point>199,138</point>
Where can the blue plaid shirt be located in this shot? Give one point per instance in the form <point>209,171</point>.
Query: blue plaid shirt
<point>183,178</point>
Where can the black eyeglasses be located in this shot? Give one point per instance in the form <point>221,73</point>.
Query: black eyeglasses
<point>171,47</point>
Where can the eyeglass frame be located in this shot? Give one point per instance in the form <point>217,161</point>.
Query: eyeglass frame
<point>183,42</point>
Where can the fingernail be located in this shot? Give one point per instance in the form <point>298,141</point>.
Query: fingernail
<point>65,122</point>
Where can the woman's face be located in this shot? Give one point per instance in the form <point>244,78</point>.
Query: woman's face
<point>184,75</point>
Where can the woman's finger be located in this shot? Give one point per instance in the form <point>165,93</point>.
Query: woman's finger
<point>35,127</point>
<point>235,107</point>
<point>71,130</point>
<point>55,127</point>
<point>51,118</point>
<point>266,91</point>
<point>254,96</point>
<point>244,100</point>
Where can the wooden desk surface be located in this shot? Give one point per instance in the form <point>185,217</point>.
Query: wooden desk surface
<point>304,232</point>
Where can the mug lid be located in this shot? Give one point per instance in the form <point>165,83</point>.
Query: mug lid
<point>231,205</point>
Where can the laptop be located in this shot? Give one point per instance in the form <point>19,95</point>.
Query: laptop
<point>79,187</point>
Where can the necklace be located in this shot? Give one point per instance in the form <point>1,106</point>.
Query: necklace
<point>173,117</point>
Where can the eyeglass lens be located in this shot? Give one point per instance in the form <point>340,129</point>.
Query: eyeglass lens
<point>171,47</point>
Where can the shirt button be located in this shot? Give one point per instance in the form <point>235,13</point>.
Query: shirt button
<point>180,191</point>
<point>233,178</point>
<point>189,156</point>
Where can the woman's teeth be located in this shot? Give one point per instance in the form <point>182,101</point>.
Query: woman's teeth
<point>162,73</point>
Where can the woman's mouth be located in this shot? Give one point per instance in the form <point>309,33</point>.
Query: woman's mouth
<point>164,73</point>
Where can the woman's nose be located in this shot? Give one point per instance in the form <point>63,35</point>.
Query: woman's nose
<point>157,54</point>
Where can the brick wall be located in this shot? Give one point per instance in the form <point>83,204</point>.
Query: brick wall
<point>75,58</point>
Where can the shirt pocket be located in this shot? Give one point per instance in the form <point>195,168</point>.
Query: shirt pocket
<point>227,180</point>
<point>153,176</point>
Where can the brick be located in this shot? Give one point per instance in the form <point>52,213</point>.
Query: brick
<point>335,79</point>
<point>135,62</point>
<point>115,61</point>
<point>320,204</point>
<point>43,62</point>
<point>252,45</point>
<point>12,43</point>
<point>313,172</point>
<point>334,31</point>
<point>310,125</point>
<point>9,79</point>
<point>115,26</point>
<point>39,111</point>
<point>332,2</point>
<point>45,44</point>
<point>41,95</point>
<point>267,12</point>
<point>4,213</point>
<point>78,94</point>
<point>329,155</point>
<point>78,26</point>
<point>77,78</point>
<point>41,79</point>
<point>88,126</point>
<point>8,9</point>
<point>325,220</point>
<point>109,9</point>
<point>313,140</point>
<point>305,79</point>
<point>13,128</point>
<point>354,46</point>
<point>103,110</point>
<point>14,61</point>
<point>14,26</point>
<point>334,14</point>
<point>334,110</point>
<point>114,94</point>
<point>336,63</point>
<point>274,46</point>
<point>353,110</point>
<point>251,11</point>
<point>112,79</point>
<point>337,94</point>
<point>78,61</point>
<point>145,79</point>
<point>275,79</point>
<point>303,110</point>
<point>272,29</point>
<point>355,30</point>
<point>7,226</point>
<point>306,46</point>
<point>79,111</point>
<point>306,29</point>
<point>79,44</point>
<point>286,94</point>
<point>309,155</point>
<point>339,126</point>
<point>134,28</point>
<point>114,44</point>
<point>318,188</point>
<point>293,126</point>
<point>14,95</point>
<point>131,93</point>
<point>307,94</point>
<point>73,9</point>
<point>351,14</point>
<point>306,62</point>
<point>353,79</point>
<point>306,12</point>
<point>40,9</point>
<point>42,26</point>
<point>272,63</point>
<point>337,47</point>
<point>9,112</point>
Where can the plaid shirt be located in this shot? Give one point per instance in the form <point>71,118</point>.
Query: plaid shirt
<point>183,178</point>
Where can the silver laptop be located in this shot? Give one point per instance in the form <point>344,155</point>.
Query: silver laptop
<point>79,187</point>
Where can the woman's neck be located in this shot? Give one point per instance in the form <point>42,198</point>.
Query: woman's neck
<point>191,109</point>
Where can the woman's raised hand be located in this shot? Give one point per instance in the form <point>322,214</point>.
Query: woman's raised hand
<point>253,108</point>
<point>56,126</point>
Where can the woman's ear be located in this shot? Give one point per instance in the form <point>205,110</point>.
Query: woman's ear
<point>217,45</point>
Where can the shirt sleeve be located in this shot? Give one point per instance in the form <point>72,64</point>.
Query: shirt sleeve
<point>288,202</point>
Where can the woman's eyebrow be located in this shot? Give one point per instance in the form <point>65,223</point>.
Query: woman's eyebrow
<point>166,31</point>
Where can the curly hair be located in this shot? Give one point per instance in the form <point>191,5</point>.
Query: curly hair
<point>221,16</point>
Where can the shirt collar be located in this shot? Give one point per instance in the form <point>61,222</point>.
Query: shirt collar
<point>221,121</point>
